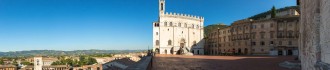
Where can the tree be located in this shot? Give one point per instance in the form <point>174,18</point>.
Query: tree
<point>91,61</point>
<point>15,63</point>
<point>83,60</point>
<point>26,63</point>
<point>273,12</point>
<point>1,62</point>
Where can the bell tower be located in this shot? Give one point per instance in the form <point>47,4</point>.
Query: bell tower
<point>161,7</point>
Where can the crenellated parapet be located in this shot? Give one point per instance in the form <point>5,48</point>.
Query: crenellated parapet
<point>185,16</point>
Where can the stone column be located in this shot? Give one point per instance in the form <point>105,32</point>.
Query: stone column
<point>315,35</point>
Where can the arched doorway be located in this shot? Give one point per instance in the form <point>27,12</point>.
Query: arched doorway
<point>157,50</point>
<point>245,51</point>
<point>172,50</point>
<point>290,52</point>
<point>197,51</point>
<point>182,45</point>
<point>239,51</point>
<point>165,51</point>
<point>233,50</point>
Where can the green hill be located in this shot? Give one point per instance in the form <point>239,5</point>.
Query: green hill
<point>208,28</point>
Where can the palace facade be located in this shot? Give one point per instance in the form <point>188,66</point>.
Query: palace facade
<point>258,36</point>
<point>176,33</point>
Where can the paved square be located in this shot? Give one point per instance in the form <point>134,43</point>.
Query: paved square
<point>201,62</point>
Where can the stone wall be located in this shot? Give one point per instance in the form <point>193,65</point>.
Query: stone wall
<point>315,35</point>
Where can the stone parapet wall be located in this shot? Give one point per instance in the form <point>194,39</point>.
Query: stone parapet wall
<point>184,16</point>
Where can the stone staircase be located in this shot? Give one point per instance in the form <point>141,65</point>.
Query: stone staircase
<point>187,51</point>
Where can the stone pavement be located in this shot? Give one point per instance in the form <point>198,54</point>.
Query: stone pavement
<point>201,62</point>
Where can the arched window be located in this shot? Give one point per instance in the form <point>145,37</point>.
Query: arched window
<point>192,26</point>
<point>157,42</point>
<point>156,24</point>
<point>179,25</point>
<point>171,24</point>
<point>197,26</point>
<point>165,24</point>
<point>185,25</point>
<point>169,42</point>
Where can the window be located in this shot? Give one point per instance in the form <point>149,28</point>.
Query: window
<point>262,43</point>
<point>179,25</point>
<point>290,34</point>
<point>192,26</point>
<point>197,26</point>
<point>290,43</point>
<point>262,25</point>
<point>169,42</point>
<point>262,35</point>
<point>280,42</point>
<point>156,33</point>
<point>271,34</point>
<point>271,42</point>
<point>156,24</point>
<point>219,39</point>
<point>165,24</point>
<point>161,6</point>
<point>171,24</point>
<point>262,50</point>
<point>185,25</point>
<point>253,26</point>
<point>246,27</point>
<point>253,43</point>
<point>280,34</point>
<point>224,39</point>
<point>253,35</point>
<point>157,42</point>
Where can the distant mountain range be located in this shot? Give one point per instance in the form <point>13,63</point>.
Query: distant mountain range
<point>59,53</point>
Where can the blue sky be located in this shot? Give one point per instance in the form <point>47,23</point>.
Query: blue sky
<point>106,24</point>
